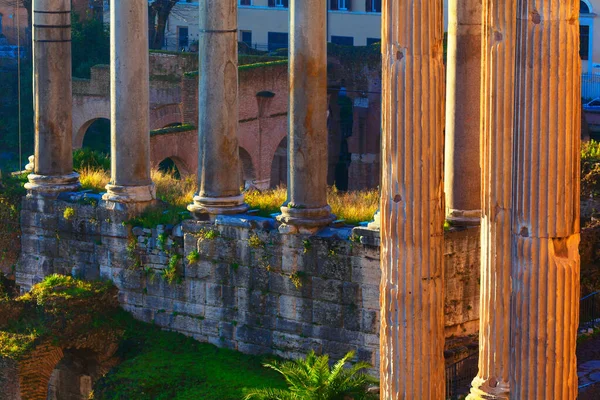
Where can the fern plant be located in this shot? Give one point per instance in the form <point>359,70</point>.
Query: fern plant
<point>313,379</point>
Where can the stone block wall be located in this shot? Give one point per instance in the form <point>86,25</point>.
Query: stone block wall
<point>237,282</point>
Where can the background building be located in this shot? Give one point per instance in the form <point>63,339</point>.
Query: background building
<point>264,24</point>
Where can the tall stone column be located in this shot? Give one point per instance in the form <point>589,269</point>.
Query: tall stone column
<point>306,205</point>
<point>53,170</point>
<point>129,95</point>
<point>497,116</point>
<point>545,270</point>
<point>218,151</point>
<point>462,174</point>
<point>412,201</point>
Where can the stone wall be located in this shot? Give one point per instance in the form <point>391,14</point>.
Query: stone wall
<point>237,282</point>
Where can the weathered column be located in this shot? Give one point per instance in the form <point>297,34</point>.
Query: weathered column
<point>53,169</point>
<point>497,116</point>
<point>129,95</point>
<point>545,270</point>
<point>462,174</point>
<point>412,201</point>
<point>306,205</point>
<point>218,151</point>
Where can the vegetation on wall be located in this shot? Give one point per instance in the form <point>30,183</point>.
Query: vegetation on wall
<point>11,192</point>
<point>590,169</point>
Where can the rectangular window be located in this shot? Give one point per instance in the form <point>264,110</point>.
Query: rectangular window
<point>279,3</point>
<point>342,40</point>
<point>245,2</point>
<point>344,5</point>
<point>584,44</point>
<point>373,5</point>
<point>371,41</point>
<point>247,37</point>
<point>182,34</point>
<point>278,40</point>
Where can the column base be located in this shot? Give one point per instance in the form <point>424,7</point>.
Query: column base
<point>52,185</point>
<point>483,390</point>
<point>130,194</point>
<point>203,206</point>
<point>463,217</point>
<point>306,217</point>
<point>376,223</point>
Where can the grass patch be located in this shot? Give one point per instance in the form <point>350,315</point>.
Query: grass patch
<point>163,365</point>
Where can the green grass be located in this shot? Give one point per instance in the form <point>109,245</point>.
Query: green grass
<point>166,365</point>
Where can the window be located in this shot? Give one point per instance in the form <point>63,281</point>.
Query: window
<point>342,40</point>
<point>584,8</point>
<point>278,40</point>
<point>247,37</point>
<point>183,37</point>
<point>279,3</point>
<point>373,6</point>
<point>245,2</point>
<point>0,23</point>
<point>344,5</point>
<point>371,41</point>
<point>584,44</point>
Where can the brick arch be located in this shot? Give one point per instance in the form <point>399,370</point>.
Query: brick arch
<point>181,164</point>
<point>166,115</point>
<point>181,147</point>
<point>86,110</point>
<point>30,376</point>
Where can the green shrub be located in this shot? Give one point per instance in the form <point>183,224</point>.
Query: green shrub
<point>193,257</point>
<point>590,151</point>
<point>313,379</point>
<point>90,159</point>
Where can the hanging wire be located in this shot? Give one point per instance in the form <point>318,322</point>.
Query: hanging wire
<point>17,11</point>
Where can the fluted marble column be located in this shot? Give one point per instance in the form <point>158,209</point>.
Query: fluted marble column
<point>129,95</point>
<point>412,205</point>
<point>545,271</point>
<point>462,174</point>
<point>218,151</point>
<point>497,116</point>
<point>306,205</point>
<point>53,169</point>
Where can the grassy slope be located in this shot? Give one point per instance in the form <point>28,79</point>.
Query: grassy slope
<point>166,365</point>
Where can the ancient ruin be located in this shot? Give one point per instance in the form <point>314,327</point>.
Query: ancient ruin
<point>297,282</point>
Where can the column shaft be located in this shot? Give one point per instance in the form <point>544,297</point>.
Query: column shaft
<point>545,270</point>
<point>462,174</point>
<point>497,116</point>
<point>218,152</point>
<point>306,203</point>
<point>130,104</point>
<point>412,205</point>
<point>53,170</point>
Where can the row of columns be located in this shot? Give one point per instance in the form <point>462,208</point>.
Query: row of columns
<point>529,132</point>
<point>529,166</point>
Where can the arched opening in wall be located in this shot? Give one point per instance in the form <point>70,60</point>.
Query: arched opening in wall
<point>97,136</point>
<point>247,174</point>
<point>279,167</point>
<point>168,166</point>
<point>74,376</point>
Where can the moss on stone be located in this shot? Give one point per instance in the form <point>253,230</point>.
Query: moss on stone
<point>173,129</point>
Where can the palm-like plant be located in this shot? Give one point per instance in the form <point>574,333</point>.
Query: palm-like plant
<point>312,379</point>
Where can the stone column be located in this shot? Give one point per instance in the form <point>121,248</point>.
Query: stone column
<point>412,204</point>
<point>129,95</point>
<point>497,116</point>
<point>545,270</point>
<point>462,174</point>
<point>218,151</point>
<point>306,205</point>
<point>53,169</point>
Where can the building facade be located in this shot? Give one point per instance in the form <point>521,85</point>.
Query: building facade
<point>264,24</point>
